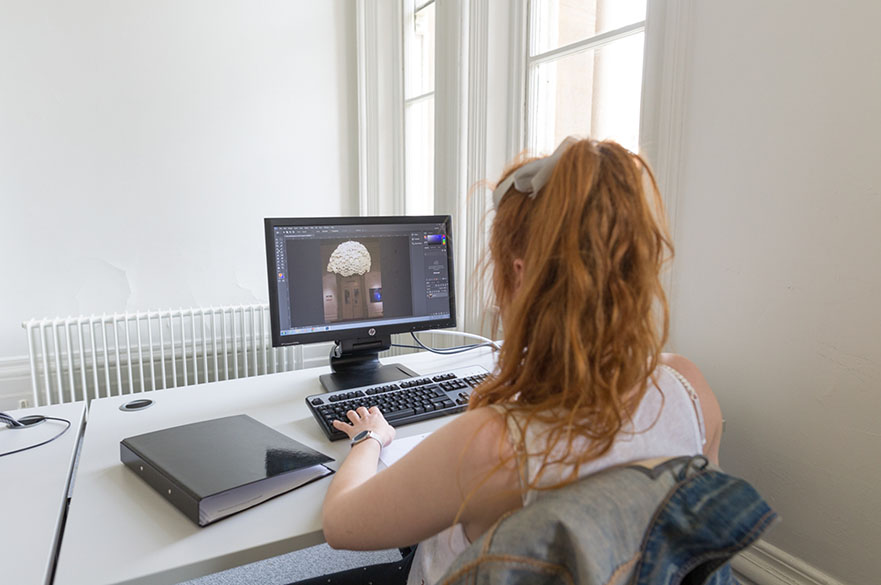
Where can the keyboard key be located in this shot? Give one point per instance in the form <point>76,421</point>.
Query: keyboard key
<point>395,415</point>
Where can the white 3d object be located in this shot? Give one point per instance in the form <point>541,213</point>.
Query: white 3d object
<point>349,258</point>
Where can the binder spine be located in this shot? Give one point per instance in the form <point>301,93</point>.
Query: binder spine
<point>169,490</point>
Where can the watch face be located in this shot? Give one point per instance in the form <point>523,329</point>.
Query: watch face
<point>361,436</point>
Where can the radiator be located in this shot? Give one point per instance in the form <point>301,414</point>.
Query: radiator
<point>80,358</point>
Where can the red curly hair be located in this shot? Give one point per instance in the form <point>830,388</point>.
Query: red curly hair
<point>585,327</point>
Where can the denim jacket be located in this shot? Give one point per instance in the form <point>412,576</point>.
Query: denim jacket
<point>678,523</point>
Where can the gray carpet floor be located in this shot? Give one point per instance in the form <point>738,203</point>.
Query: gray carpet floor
<point>302,564</point>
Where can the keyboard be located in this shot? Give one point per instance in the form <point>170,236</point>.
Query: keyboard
<point>403,402</point>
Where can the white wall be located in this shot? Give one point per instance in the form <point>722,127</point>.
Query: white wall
<point>778,270</point>
<point>142,144</point>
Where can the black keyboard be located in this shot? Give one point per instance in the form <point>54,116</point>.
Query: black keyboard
<point>402,402</point>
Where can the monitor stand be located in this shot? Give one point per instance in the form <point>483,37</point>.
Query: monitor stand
<point>355,363</point>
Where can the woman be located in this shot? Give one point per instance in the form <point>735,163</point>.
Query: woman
<point>577,244</point>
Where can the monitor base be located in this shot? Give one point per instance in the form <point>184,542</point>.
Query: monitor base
<point>355,363</point>
<point>383,374</point>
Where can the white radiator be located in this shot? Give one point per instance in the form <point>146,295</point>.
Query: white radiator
<point>80,358</point>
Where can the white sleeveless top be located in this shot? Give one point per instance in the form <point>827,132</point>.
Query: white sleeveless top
<point>668,422</point>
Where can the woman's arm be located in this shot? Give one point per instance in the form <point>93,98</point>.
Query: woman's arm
<point>709,405</point>
<point>423,493</point>
<point>360,464</point>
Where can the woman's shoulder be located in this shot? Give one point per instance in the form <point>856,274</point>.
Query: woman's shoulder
<point>484,427</point>
<point>692,373</point>
<point>687,368</point>
<point>710,409</point>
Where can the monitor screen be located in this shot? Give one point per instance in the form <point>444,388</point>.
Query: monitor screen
<point>358,277</point>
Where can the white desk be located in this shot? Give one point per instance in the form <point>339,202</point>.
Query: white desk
<point>33,491</point>
<point>121,531</point>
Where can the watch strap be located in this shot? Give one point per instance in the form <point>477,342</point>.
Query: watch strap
<point>364,435</point>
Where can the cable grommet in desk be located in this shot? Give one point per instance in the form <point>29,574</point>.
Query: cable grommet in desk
<point>139,404</point>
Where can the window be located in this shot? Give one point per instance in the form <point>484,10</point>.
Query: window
<point>583,71</point>
<point>512,75</point>
<point>419,101</point>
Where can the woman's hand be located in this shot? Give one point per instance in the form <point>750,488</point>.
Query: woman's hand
<point>364,419</point>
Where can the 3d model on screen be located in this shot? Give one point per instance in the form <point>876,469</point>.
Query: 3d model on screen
<point>349,258</point>
<point>352,281</point>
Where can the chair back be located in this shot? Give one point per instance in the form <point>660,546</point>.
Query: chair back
<point>677,523</point>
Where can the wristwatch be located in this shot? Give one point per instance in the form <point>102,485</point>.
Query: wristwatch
<point>364,435</point>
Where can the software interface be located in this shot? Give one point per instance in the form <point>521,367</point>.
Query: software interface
<point>337,277</point>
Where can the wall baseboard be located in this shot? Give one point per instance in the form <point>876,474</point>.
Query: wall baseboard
<point>765,564</point>
<point>15,382</point>
<point>15,366</point>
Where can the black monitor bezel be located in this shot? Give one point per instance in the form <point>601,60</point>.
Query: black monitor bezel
<point>270,223</point>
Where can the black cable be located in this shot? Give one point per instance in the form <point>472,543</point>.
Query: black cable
<point>443,350</point>
<point>436,349</point>
<point>64,430</point>
<point>10,421</point>
<point>5,418</point>
<point>418,347</point>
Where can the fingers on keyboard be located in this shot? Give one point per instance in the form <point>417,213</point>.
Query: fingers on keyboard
<point>402,403</point>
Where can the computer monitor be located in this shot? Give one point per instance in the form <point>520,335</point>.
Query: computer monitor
<point>356,281</point>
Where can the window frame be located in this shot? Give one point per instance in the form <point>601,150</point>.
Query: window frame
<point>410,10</point>
<point>555,55</point>
<point>668,40</point>
<point>474,143</point>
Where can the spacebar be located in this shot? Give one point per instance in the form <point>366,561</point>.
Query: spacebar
<point>396,414</point>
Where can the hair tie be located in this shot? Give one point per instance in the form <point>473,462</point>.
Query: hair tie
<point>531,177</point>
